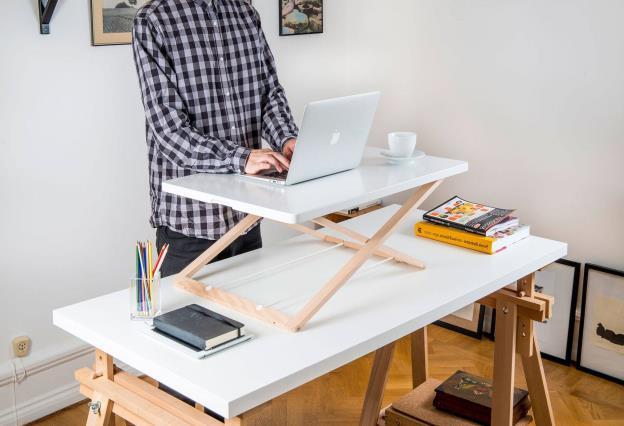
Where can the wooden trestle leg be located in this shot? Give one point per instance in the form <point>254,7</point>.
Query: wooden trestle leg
<point>515,314</point>
<point>381,368</point>
<point>140,402</point>
<point>101,407</point>
<point>504,363</point>
<point>538,389</point>
<point>420,357</point>
<point>376,385</point>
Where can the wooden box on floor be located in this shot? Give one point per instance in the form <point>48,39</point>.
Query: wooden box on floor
<point>416,409</point>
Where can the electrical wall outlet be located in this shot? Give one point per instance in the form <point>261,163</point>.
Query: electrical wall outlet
<point>21,346</point>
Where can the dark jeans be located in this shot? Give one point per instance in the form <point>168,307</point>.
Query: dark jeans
<point>183,250</point>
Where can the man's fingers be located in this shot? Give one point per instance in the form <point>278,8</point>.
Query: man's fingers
<point>256,168</point>
<point>281,159</point>
<point>268,158</point>
<point>288,153</point>
<point>260,167</point>
<point>264,159</point>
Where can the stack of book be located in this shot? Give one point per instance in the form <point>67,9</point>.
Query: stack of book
<point>472,225</point>
<point>200,329</point>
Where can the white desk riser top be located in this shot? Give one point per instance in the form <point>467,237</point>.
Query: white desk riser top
<point>374,179</point>
<point>377,306</point>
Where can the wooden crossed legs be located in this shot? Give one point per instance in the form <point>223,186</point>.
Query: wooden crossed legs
<point>515,312</point>
<point>365,248</point>
<point>140,402</point>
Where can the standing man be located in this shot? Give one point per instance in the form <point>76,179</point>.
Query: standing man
<point>210,92</point>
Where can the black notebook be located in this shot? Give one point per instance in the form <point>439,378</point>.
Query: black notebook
<point>199,327</point>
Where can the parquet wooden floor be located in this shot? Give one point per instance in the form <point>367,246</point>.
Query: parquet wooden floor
<point>336,398</point>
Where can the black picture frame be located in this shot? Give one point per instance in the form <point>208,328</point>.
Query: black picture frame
<point>579,362</point>
<point>477,334</point>
<point>281,27</point>
<point>490,334</point>
<point>571,316</point>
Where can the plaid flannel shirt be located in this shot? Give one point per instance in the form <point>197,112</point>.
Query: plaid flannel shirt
<point>210,92</point>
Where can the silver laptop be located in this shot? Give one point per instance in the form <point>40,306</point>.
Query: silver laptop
<point>331,139</point>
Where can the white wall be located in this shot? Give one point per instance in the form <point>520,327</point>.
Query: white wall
<point>73,170</point>
<point>530,93</point>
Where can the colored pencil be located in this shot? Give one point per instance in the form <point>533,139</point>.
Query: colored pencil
<point>161,258</point>
<point>141,275</point>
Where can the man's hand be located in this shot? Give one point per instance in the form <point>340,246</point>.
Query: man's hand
<point>261,160</point>
<point>289,148</point>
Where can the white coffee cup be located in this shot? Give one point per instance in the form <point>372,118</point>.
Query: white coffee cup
<point>402,144</point>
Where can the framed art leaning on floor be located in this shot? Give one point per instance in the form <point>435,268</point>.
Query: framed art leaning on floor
<point>468,321</point>
<point>561,280</point>
<point>601,334</point>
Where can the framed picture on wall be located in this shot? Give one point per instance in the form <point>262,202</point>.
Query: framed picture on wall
<point>601,333</point>
<point>300,17</point>
<point>561,280</point>
<point>468,321</point>
<point>111,21</point>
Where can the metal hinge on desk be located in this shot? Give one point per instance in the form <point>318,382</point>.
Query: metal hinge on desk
<point>95,407</point>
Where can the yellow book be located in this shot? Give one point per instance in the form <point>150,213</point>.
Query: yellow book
<point>489,245</point>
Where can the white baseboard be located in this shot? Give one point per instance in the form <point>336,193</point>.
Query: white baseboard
<point>42,405</point>
<point>39,363</point>
<point>49,385</point>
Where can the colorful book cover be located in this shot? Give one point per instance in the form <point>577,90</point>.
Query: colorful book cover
<point>490,245</point>
<point>468,216</point>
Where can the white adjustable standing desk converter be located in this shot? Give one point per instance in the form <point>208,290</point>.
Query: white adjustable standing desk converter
<point>315,302</point>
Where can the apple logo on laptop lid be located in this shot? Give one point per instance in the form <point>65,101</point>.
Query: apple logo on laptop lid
<point>335,137</point>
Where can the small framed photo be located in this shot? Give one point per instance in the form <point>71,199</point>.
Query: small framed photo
<point>111,21</point>
<point>468,321</point>
<point>601,333</point>
<point>300,17</point>
<point>561,280</point>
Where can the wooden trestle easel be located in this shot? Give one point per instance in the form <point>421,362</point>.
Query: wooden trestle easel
<point>516,309</point>
<point>365,248</point>
<point>140,402</point>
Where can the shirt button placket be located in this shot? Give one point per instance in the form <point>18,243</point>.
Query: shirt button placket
<point>223,71</point>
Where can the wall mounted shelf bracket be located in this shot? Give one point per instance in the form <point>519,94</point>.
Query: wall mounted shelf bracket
<point>46,9</point>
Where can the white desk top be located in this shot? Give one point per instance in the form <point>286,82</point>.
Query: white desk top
<point>376,307</point>
<point>373,180</point>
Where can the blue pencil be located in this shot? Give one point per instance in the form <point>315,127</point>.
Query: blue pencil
<point>138,277</point>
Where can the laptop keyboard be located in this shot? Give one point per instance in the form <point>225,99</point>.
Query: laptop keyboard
<point>276,174</point>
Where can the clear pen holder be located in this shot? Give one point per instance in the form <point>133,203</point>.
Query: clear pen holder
<point>145,298</point>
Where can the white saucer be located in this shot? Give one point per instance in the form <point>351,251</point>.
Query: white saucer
<point>401,160</point>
